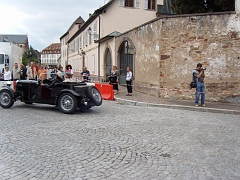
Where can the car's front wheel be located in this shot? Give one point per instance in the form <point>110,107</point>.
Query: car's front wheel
<point>6,99</point>
<point>67,103</point>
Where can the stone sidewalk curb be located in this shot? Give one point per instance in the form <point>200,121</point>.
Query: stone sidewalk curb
<point>192,108</point>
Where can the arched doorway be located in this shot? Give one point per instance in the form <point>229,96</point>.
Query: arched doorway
<point>126,53</point>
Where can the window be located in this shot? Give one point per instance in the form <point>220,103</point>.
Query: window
<point>150,4</point>
<point>93,63</point>
<point>129,3</point>
<point>137,3</point>
<point>121,3</point>
<point>1,59</point>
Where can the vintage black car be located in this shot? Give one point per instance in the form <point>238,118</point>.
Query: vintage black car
<point>67,96</point>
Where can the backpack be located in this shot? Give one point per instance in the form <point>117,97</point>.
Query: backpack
<point>193,83</point>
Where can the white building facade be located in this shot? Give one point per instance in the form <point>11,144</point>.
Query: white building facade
<point>50,56</point>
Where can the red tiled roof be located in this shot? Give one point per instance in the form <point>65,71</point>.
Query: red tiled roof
<point>54,48</point>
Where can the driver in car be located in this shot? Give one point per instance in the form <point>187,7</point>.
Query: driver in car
<point>57,79</point>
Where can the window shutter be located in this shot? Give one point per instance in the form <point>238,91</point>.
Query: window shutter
<point>93,63</point>
<point>95,31</point>
<point>83,38</point>
<point>86,38</point>
<point>137,3</point>
<point>80,41</point>
<point>86,61</point>
<point>121,3</point>
<point>145,4</point>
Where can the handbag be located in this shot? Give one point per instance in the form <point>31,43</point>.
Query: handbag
<point>132,78</point>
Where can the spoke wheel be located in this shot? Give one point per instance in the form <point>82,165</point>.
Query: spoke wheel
<point>94,95</point>
<point>67,103</point>
<point>6,99</point>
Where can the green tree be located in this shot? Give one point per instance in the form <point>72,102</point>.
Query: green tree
<point>30,56</point>
<point>202,6</point>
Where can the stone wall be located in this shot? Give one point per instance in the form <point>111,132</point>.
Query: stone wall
<point>168,49</point>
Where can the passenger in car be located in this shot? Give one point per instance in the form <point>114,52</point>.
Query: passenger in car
<point>57,79</point>
<point>68,78</point>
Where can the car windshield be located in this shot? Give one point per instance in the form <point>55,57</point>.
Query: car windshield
<point>1,59</point>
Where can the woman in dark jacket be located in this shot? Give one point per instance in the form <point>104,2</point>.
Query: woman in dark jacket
<point>23,72</point>
<point>114,79</point>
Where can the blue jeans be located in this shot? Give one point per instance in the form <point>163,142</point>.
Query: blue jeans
<point>200,90</point>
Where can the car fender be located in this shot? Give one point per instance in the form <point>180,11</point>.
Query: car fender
<point>66,91</point>
<point>9,89</point>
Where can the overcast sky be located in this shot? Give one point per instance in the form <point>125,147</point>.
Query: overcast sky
<point>44,21</point>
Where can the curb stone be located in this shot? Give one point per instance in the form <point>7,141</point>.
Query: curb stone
<point>191,108</point>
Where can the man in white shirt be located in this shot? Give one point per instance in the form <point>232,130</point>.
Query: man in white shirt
<point>16,72</point>
<point>7,74</point>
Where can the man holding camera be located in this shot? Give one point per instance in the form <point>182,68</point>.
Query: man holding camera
<point>199,76</point>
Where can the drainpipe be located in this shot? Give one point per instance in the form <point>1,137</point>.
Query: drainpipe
<point>99,46</point>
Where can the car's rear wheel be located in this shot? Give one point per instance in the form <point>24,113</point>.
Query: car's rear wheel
<point>6,99</point>
<point>94,95</point>
<point>67,103</point>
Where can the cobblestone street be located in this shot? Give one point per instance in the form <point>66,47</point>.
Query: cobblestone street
<point>116,141</point>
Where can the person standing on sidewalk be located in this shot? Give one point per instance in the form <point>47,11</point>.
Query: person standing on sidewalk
<point>42,73</point>
<point>114,79</point>
<point>16,72</point>
<point>23,72</point>
<point>31,72</point>
<point>129,81</point>
<point>85,74</point>
<point>199,75</point>
<point>7,74</point>
<point>69,71</point>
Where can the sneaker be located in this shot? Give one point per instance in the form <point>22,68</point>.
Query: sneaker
<point>196,105</point>
<point>203,105</point>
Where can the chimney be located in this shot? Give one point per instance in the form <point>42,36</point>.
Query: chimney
<point>90,15</point>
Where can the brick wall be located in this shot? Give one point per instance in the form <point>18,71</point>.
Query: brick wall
<point>168,49</point>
